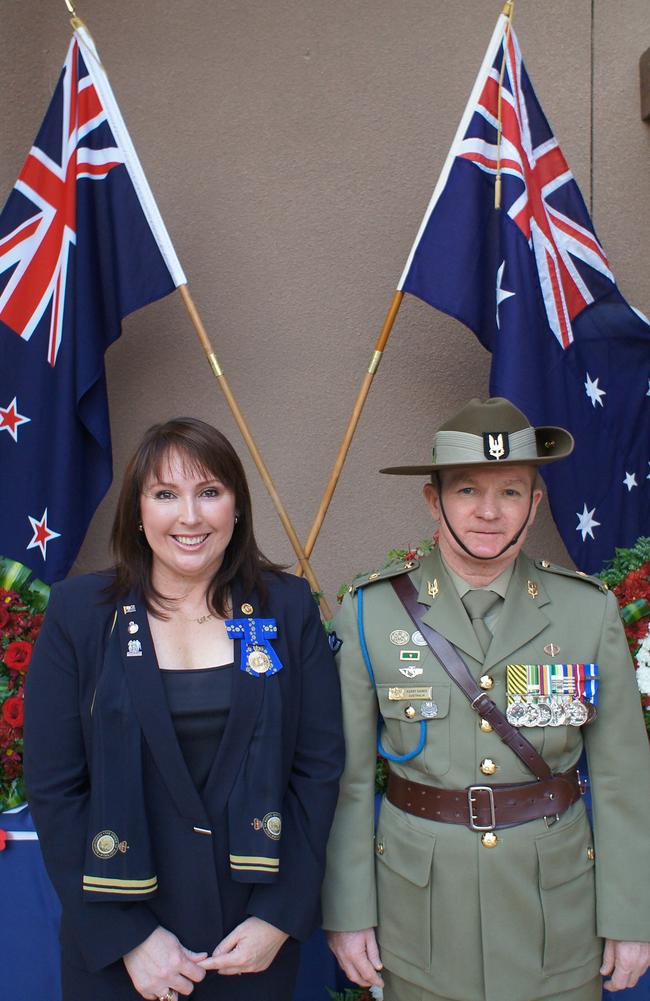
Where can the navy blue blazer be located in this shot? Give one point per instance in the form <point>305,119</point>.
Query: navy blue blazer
<point>196,899</point>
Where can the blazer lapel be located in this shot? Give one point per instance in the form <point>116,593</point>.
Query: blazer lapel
<point>150,703</point>
<point>446,613</point>
<point>521,617</point>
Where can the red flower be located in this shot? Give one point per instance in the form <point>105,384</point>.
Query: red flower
<point>13,712</point>
<point>4,616</point>
<point>18,655</point>
<point>3,840</point>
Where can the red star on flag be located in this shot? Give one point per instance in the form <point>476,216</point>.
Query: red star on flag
<point>10,419</point>
<point>42,534</point>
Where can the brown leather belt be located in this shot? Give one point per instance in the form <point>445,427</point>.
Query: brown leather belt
<point>487,807</point>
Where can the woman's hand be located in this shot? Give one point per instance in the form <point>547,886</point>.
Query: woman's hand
<point>161,962</point>
<point>250,948</point>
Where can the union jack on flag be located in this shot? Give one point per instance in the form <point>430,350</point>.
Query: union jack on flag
<point>82,244</point>
<point>532,281</point>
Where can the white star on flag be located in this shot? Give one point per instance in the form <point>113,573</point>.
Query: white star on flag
<point>10,419</point>
<point>42,534</point>
<point>630,480</point>
<point>502,293</point>
<point>593,392</point>
<point>586,522</point>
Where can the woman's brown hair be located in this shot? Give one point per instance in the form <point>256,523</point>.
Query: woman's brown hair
<point>205,449</point>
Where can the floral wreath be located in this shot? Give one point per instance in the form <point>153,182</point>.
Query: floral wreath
<point>23,600</point>
<point>629,578</point>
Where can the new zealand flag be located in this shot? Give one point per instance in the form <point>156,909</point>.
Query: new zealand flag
<point>533,283</point>
<point>82,245</point>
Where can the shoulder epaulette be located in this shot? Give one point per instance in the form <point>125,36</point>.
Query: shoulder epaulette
<point>575,574</point>
<point>391,569</point>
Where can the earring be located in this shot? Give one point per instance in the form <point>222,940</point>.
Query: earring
<point>236,518</point>
<point>140,528</point>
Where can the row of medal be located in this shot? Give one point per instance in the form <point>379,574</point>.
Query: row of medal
<point>551,694</point>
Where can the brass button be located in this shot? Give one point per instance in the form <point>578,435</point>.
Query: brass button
<point>488,766</point>
<point>485,726</point>
<point>591,854</point>
<point>486,682</point>
<point>410,712</point>
<point>489,839</point>
<point>545,564</point>
<point>379,848</point>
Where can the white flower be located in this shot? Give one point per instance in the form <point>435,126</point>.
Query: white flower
<point>377,993</point>
<point>643,679</point>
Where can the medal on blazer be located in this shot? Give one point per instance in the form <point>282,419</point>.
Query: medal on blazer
<point>258,658</point>
<point>551,694</point>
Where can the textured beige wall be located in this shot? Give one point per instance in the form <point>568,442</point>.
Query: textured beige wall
<point>292,146</point>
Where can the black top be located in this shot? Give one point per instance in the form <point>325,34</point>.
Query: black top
<point>199,701</point>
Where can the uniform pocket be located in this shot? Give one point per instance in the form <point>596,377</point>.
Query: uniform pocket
<point>404,857</point>
<point>568,895</point>
<point>401,732</point>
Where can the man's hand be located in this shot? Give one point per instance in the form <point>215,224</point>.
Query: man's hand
<point>161,962</point>
<point>358,956</point>
<point>250,948</point>
<point>625,963</point>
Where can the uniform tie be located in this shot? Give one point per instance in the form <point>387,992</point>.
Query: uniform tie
<point>478,603</point>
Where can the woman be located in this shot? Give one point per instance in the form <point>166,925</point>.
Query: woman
<point>183,743</point>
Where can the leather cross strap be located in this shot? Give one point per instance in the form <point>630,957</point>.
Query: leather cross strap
<point>483,807</point>
<point>459,673</point>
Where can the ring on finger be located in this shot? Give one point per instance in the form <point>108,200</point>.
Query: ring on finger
<point>169,995</point>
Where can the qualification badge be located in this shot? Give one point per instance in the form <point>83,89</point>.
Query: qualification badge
<point>258,658</point>
<point>551,694</point>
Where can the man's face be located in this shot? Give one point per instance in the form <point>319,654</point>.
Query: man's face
<point>486,506</point>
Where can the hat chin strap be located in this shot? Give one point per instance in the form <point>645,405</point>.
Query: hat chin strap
<point>469,552</point>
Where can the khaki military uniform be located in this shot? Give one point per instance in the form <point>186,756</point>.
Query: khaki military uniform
<point>523,919</point>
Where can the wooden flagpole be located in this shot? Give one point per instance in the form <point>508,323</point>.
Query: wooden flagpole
<point>197,323</point>
<point>382,340</point>
<point>507,11</point>
<point>303,560</point>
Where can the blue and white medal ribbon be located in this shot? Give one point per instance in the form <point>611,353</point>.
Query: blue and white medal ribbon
<point>258,658</point>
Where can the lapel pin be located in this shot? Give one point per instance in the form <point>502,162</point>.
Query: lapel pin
<point>133,627</point>
<point>533,590</point>
<point>432,588</point>
<point>128,609</point>
<point>134,648</point>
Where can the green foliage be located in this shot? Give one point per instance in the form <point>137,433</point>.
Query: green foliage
<point>626,561</point>
<point>350,994</point>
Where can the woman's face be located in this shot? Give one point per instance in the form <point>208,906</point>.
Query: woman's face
<point>188,517</point>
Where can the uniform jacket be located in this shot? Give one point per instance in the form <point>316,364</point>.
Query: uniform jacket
<point>196,898</point>
<point>520,920</point>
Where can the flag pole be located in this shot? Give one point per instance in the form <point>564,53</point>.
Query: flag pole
<point>507,12</point>
<point>368,378</point>
<point>383,338</point>
<point>252,448</point>
<point>232,403</point>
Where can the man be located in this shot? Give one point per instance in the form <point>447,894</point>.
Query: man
<point>482,893</point>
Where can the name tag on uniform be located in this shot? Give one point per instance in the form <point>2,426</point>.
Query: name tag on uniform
<point>396,694</point>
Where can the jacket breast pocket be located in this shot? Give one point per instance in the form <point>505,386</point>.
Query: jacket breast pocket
<point>405,715</point>
<point>568,895</point>
<point>404,866</point>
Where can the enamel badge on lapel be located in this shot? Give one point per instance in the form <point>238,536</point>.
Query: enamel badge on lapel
<point>134,648</point>
<point>258,658</point>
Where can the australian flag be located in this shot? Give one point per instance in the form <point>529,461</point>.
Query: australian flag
<point>533,282</point>
<point>82,244</point>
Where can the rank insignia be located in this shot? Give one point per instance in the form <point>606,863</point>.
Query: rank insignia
<point>551,694</point>
<point>258,658</point>
<point>272,826</point>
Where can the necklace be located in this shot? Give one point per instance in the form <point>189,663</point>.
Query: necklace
<point>203,618</point>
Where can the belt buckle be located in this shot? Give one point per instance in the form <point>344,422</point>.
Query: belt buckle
<point>472,799</point>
